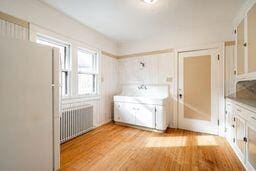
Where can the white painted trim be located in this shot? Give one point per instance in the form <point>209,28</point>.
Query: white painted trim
<point>220,46</point>
<point>195,124</point>
<point>243,12</point>
<point>247,163</point>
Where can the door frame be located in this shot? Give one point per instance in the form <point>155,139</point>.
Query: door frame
<point>220,49</point>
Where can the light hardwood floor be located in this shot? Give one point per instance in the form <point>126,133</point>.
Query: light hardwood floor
<point>115,147</point>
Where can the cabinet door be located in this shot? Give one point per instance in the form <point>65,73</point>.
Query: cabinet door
<point>240,135</point>
<point>252,146</point>
<point>127,113</point>
<point>230,125</point>
<point>117,107</point>
<point>145,116</point>
<point>251,31</point>
<point>240,57</point>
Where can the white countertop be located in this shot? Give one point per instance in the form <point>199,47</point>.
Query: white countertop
<point>245,103</point>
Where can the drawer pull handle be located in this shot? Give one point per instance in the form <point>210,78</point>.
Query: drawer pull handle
<point>253,117</point>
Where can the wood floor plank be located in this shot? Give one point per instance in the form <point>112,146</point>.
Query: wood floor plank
<point>116,147</point>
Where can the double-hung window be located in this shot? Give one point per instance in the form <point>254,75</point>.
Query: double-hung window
<point>87,72</point>
<point>64,50</point>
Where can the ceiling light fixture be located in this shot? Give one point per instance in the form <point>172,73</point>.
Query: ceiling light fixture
<point>150,1</point>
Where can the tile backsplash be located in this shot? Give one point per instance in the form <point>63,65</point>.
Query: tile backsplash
<point>246,89</point>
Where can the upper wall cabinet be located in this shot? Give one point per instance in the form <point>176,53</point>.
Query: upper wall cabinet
<point>246,46</point>
<point>240,49</point>
<point>251,29</point>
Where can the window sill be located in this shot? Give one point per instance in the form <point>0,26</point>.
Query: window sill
<point>80,98</point>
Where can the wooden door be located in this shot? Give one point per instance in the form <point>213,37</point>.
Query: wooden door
<point>198,91</point>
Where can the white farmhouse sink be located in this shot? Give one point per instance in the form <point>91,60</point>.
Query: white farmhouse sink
<point>141,99</point>
<point>148,107</point>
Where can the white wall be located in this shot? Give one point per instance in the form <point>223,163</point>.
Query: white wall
<point>48,21</point>
<point>180,38</point>
<point>45,16</point>
<point>157,69</point>
<point>109,81</point>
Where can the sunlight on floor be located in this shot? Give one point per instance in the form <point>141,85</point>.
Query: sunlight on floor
<point>206,140</point>
<point>178,141</point>
<point>181,141</point>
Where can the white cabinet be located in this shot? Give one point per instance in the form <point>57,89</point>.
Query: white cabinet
<point>240,49</point>
<point>246,46</point>
<point>240,136</point>
<point>125,112</point>
<point>241,133</point>
<point>251,147</point>
<point>144,115</point>
<point>230,123</point>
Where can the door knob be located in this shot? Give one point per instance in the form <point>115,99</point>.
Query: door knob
<point>180,96</point>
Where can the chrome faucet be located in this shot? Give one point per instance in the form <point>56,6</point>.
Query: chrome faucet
<point>142,86</point>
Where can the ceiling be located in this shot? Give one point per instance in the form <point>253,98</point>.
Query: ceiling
<point>133,20</point>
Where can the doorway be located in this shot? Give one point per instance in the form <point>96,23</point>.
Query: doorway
<point>198,92</point>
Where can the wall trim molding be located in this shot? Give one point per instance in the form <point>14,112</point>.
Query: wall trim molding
<point>146,53</point>
<point>137,54</point>
<point>109,54</point>
<point>14,20</point>
<point>227,43</point>
<point>230,43</point>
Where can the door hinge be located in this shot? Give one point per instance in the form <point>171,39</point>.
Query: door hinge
<point>218,57</point>
<point>226,129</point>
<point>226,111</point>
<point>218,122</point>
<point>245,44</point>
<point>234,140</point>
<point>234,119</point>
<point>245,139</point>
<point>155,109</point>
<point>235,72</point>
<point>235,31</point>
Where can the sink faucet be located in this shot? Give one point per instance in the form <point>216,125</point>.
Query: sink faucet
<point>142,86</point>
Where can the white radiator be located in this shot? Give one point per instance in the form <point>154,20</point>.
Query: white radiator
<point>75,121</point>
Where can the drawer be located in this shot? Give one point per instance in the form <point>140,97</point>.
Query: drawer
<point>248,115</point>
<point>229,106</point>
<point>251,118</point>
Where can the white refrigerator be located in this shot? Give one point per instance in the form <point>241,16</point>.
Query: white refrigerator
<point>29,106</point>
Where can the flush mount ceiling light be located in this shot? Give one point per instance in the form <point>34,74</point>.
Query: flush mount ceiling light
<point>149,1</point>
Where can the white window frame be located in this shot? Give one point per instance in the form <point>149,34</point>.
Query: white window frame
<point>68,61</point>
<point>94,71</point>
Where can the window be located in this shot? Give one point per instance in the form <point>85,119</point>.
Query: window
<point>64,50</point>
<point>87,72</point>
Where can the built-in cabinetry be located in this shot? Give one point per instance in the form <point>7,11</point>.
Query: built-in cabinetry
<point>246,46</point>
<point>251,145</point>
<point>144,115</point>
<point>241,133</point>
<point>135,114</point>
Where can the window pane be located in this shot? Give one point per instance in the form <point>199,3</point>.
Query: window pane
<point>85,61</point>
<point>62,50</point>
<point>64,82</point>
<point>64,60</point>
<point>86,84</point>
